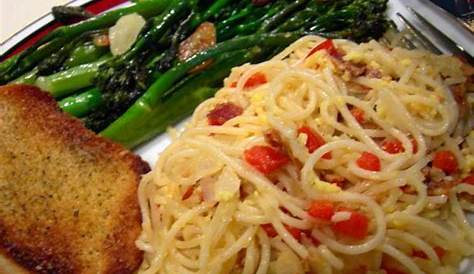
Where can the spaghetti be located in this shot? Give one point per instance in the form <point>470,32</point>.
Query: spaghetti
<point>332,157</point>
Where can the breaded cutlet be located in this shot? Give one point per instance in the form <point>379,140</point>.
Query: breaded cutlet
<point>68,197</point>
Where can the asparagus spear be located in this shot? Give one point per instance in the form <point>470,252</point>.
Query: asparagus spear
<point>68,81</point>
<point>27,78</point>
<point>23,63</point>
<point>85,53</point>
<point>83,103</point>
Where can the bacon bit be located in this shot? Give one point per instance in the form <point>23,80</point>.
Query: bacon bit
<point>327,45</point>
<point>408,189</point>
<point>414,144</point>
<point>446,161</point>
<point>358,114</point>
<point>393,146</point>
<point>440,187</point>
<point>419,254</point>
<point>188,193</point>
<point>265,158</point>
<point>202,38</point>
<point>373,73</point>
<point>355,70</point>
<point>222,113</point>
<point>459,93</point>
<point>468,180</point>
<point>273,138</point>
<point>357,88</point>
<point>391,266</point>
<point>314,141</point>
<point>270,230</point>
<point>363,269</point>
<point>369,161</point>
<point>356,227</point>
<point>239,262</point>
<point>392,271</point>
<point>335,179</point>
<point>323,210</point>
<point>101,40</point>
<point>243,193</point>
<point>295,232</point>
<point>308,235</point>
<point>440,252</point>
<point>286,211</point>
<point>233,84</point>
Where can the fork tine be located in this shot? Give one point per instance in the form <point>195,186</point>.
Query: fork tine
<point>455,47</point>
<point>418,35</point>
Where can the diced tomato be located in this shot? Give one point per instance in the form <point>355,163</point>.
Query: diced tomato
<point>327,45</point>
<point>295,232</point>
<point>420,254</point>
<point>322,210</point>
<point>356,227</point>
<point>446,161</point>
<point>222,113</point>
<point>369,161</point>
<point>314,141</point>
<point>270,230</point>
<point>358,114</point>
<point>265,158</point>
<point>393,146</point>
<point>255,80</point>
<point>189,191</point>
<point>468,180</point>
<point>389,270</point>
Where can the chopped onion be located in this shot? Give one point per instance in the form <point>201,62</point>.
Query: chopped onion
<point>341,216</point>
<point>227,185</point>
<point>125,32</point>
<point>207,188</point>
<point>439,199</point>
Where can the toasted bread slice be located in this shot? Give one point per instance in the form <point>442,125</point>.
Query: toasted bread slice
<point>68,198</point>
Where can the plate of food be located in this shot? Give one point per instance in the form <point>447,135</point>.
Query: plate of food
<point>313,137</point>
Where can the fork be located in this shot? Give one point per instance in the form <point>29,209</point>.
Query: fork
<point>412,37</point>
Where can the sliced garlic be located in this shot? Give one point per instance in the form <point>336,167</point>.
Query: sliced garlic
<point>227,185</point>
<point>125,32</point>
